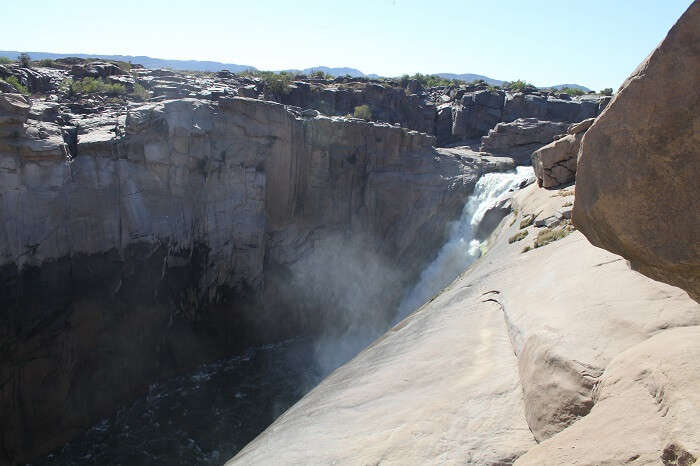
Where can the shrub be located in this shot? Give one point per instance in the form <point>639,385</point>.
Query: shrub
<point>318,74</point>
<point>95,86</point>
<point>518,85</point>
<point>4,60</point>
<point>526,249</point>
<point>432,80</point>
<point>277,83</point>
<point>570,91</point>
<point>607,91</point>
<point>527,221</point>
<point>47,63</point>
<point>25,60</point>
<point>12,80</point>
<point>140,92</point>
<point>518,236</point>
<point>362,111</point>
<point>548,235</point>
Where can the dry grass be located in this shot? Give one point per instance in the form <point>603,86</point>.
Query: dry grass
<point>527,221</point>
<point>549,235</point>
<point>518,236</point>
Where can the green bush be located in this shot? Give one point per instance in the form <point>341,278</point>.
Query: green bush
<point>363,111</point>
<point>25,60</point>
<point>518,85</point>
<point>320,75</point>
<point>12,80</point>
<point>431,80</point>
<point>276,83</point>
<point>607,91</point>
<point>4,60</point>
<point>95,86</point>
<point>47,63</point>
<point>570,91</point>
<point>140,92</point>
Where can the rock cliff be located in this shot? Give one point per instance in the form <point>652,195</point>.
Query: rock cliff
<point>140,239</point>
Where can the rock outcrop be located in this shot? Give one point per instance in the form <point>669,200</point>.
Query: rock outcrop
<point>639,164</point>
<point>555,163</point>
<point>139,240</point>
<point>520,137</point>
<point>569,365</point>
<point>453,114</point>
<point>560,108</point>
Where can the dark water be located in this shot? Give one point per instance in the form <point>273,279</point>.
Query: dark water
<point>202,418</point>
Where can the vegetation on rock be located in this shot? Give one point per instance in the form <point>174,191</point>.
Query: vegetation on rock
<point>363,111</point>
<point>14,82</point>
<point>549,235</point>
<point>518,236</point>
<point>519,85</point>
<point>571,91</point>
<point>527,221</point>
<point>25,60</point>
<point>140,92</point>
<point>47,63</point>
<point>91,86</point>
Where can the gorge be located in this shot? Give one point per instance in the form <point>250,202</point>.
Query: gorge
<point>205,268</point>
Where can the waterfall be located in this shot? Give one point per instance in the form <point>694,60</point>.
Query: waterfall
<point>461,248</point>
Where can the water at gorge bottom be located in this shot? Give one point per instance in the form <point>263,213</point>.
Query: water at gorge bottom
<point>202,418</point>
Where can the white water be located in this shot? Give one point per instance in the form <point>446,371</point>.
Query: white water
<point>461,248</point>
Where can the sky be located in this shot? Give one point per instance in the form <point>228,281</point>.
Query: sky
<point>596,43</point>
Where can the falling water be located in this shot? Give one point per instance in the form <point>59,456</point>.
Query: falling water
<point>462,248</point>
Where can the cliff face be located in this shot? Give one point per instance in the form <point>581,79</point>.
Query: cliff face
<point>639,164</point>
<point>137,241</point>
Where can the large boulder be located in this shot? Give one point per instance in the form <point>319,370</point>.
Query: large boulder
<point>14,109</point>
<point>555,163</point>
<point>96,70</point>
<point>519,138</point>
<point>638,168</point>
<point>520,105</point>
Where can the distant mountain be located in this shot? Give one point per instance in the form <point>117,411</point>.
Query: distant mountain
<point>148,62</point>
<point>469,77</point>
<point>573,86</point>
<point>355,73</point>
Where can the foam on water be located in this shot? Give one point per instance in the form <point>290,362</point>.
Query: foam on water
<point>461,248</point>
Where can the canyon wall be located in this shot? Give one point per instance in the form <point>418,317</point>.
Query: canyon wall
<point>139,240</point>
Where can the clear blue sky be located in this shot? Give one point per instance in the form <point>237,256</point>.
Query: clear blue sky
<point>596,43</point>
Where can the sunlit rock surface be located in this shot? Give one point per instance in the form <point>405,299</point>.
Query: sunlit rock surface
<point>507,356</point>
